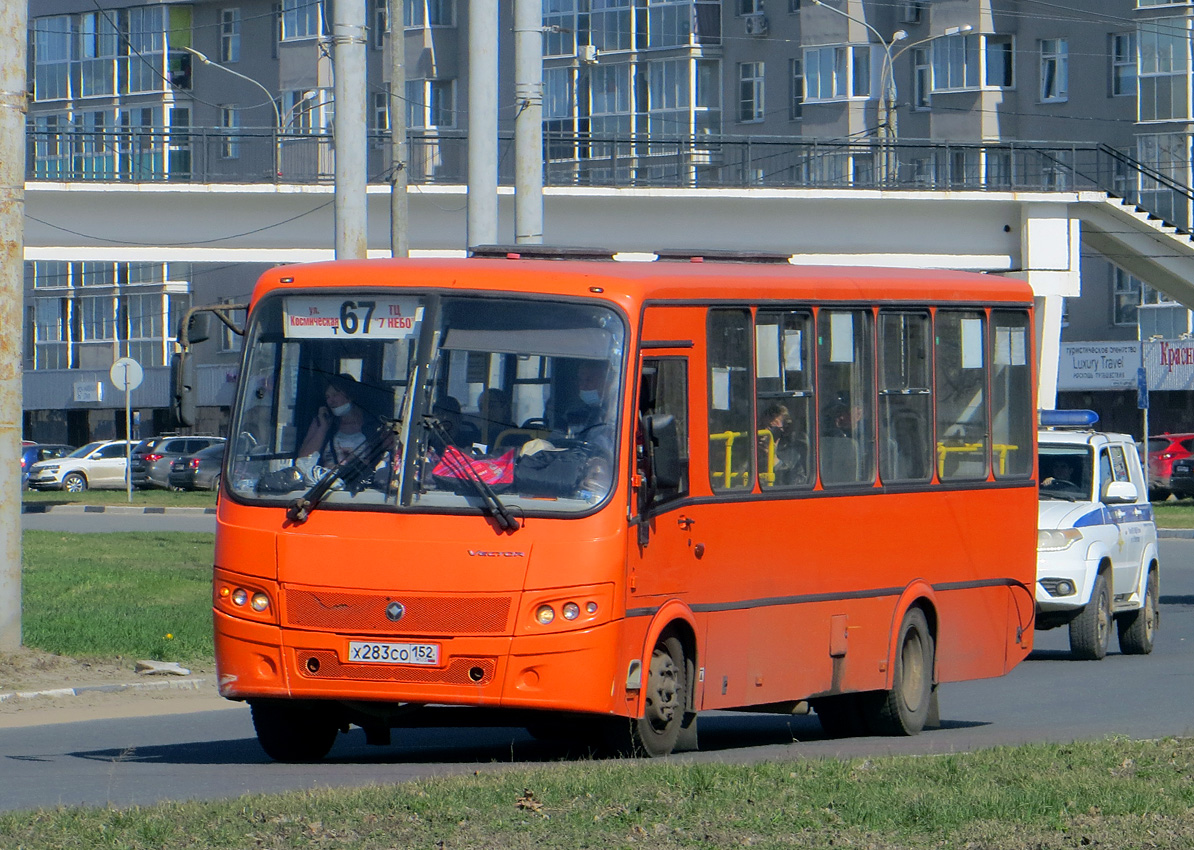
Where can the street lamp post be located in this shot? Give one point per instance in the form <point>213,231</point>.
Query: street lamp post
<point>889,69</point>
<point>269,96</point>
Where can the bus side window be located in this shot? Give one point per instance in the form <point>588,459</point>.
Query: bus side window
<point>845,382</point>
<point>1011,394</point>
<point>670,399</point>
<point>905,397</point>
<point>731,436</point>
<point>784,399</point>
<point>961,396</point>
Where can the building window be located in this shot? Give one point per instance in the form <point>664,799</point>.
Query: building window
<point>669,23</point>
<point>380,115</point>
<point>910,12</point>
<point>434,13</point>
<point>611,26</point>
<point>1123,64</point>
<point>300,19</point>
<point>837,72</point>
<point>230,35</point>
<point>793,5</point>
<point>1128,294</point>
<point>559,28</point>
<point>307,110</point>
<point>1000,61</point>
<point>381,24</point>
<point>51,57</point>
<point>796,98</point>
<point>1164,70</point>
<point>229,123</point>
<point>98,50</point>
<point>956,63</point>
<point>922,78</point>
<point>750,92</point>
<point>430,103</point>
<point>1054,70</point>
<point>749,7</point>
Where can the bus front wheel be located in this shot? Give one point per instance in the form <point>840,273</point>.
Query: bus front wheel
<point>665,704</point>
<point>905,708</point>
<point>293,731</point>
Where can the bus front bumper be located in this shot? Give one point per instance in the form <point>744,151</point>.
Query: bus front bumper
<point>568,671</point>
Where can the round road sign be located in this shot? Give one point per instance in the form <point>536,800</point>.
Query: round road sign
<point>126,374</point>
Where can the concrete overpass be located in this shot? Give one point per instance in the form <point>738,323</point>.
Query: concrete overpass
<point>1031,235</point>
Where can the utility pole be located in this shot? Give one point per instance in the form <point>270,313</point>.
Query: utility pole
<point>482,122</point>
<point>528,122</point>
<point>13,34</point>
<point>348,52</point>
<point>399,158</point>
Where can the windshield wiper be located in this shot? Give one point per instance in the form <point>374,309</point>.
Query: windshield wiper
<point>489,499</point>
<point>354,468</point>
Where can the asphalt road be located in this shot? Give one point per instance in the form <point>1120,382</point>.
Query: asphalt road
<point>214,754</point>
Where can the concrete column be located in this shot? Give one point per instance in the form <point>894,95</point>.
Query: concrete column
<point>349,44</point>
<point>528,123</point>
<point>1048,348</point>
<point>482,122</point>
<point>1050,257</point>
<point>13,32</point>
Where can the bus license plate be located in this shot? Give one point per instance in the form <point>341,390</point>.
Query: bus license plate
<point>366,652</point>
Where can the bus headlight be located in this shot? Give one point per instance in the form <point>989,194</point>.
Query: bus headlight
<point>1056,539</point>
<point>571,611</point>
<point>545,614</point>
<point>259,602</point>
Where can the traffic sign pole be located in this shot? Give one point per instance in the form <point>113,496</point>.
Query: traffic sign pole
<point>126,374</point>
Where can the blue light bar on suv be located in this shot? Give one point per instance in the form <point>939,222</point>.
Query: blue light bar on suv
<point>1068,418</point>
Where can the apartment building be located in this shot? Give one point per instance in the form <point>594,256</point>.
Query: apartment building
<point>644,92</point>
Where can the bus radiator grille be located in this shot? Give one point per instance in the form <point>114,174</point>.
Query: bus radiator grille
<point>365,613</point>
<point>456,673</point>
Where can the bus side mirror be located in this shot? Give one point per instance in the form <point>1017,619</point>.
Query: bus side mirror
<point>183,388</point>
<point>663,440</point>
<point>194,327</point>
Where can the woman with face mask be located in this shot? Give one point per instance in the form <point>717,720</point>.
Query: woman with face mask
<point>339,430</point>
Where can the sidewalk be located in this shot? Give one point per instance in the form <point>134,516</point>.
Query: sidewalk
<point>190,683</point>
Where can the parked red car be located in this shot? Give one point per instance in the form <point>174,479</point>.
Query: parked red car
<point>1163,450</point>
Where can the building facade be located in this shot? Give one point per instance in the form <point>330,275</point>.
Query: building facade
<point>636,92</point>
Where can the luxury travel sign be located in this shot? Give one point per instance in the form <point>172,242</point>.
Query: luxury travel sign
<point>1113,365</point>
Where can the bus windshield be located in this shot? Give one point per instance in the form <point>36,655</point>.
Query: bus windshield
<point>520,395</point>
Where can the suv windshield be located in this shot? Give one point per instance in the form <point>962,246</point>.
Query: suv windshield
<point>1066,472</point>
<point>520,395</point>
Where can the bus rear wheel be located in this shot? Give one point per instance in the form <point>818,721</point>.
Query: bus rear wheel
<point>293,731</point>
<point>905,708</point>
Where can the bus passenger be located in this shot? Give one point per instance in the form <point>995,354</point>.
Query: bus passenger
<point>495,411</point>
<point>460,433</point>
<point>790,455</point>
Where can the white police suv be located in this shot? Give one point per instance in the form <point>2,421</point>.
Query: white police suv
<point>1097,555</point>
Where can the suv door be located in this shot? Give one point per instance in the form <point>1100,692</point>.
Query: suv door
<point>1132,519</point>
<point>106,466</point>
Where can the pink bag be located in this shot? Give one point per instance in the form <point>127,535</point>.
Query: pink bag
<point>456,469</point>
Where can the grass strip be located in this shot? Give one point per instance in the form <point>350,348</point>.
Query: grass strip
<point>141,498</point>
<point>1114,793</point>
<point>137,595</point>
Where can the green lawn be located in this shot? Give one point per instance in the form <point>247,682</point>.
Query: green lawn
<point>1174,514</point>
<point>129,595</point>
<point>1110,794</point>
<point>141,498</point>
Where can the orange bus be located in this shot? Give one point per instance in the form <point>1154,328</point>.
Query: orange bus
<point>599,497</point>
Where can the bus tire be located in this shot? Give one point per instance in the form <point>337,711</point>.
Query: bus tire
<point>841,715</point>
<point>1138,629</point>
<point>293,731</point>
<point>665,703</point>
<point>1090,631</point>
<point>905,708</point>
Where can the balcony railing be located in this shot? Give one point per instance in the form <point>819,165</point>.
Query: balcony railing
<point>254,156</point>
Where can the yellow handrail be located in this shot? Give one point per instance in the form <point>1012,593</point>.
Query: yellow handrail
<point>1000,449</point>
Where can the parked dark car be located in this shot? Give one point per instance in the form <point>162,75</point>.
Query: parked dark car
<point>152,457</point>
<point>1181,479</point>
<point>200,471</point>
<point>31,453</point>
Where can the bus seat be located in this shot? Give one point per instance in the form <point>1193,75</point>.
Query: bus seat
<point>839,460</point>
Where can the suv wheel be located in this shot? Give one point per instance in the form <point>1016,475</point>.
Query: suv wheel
<point>1090,632</point>
<point>74,483</point>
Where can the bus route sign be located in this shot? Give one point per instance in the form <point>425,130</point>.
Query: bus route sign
<point>364,317</point>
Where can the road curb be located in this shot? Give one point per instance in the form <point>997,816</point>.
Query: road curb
<point>1178,533</point>
<point>191,684</point>
<point>39,508</point>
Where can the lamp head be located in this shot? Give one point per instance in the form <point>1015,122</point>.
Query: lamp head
<point>898,35</point>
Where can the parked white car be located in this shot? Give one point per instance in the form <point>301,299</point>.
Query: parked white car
<point>99,465</point>
<point>1097,559</point>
